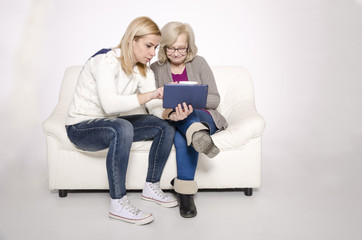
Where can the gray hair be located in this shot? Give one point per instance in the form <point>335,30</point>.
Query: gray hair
<point>170,32</point>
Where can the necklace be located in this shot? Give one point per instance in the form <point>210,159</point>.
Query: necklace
<point>178,69</point>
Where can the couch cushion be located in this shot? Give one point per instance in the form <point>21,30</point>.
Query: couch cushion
<point>236,104</point>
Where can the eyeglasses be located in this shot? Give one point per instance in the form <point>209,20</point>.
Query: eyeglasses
<point>180,50</point>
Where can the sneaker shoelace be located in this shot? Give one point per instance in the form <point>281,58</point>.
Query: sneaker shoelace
<point>157,189</point>
<point>129,207</point>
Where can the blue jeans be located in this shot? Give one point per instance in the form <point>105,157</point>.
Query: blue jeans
<point>186,156</point>
<point>117,134</point>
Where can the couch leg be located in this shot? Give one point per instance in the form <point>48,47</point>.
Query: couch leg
<point>248,191</point>
<point>63,193</point>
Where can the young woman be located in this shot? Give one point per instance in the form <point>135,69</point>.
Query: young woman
<point>178,61</point>
<point>112,87</point>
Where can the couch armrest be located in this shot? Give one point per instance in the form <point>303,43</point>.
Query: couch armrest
<point>54,126</point>
<point>245,124</point>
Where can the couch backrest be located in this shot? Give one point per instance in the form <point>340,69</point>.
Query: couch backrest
<point>234,84</point>
<point>69,83</point>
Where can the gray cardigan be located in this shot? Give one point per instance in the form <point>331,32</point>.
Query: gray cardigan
<point>197,70</point>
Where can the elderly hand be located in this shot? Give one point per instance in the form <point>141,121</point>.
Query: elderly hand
<point>181,113</point>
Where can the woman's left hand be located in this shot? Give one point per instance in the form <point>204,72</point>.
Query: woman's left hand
<point>181,112</point>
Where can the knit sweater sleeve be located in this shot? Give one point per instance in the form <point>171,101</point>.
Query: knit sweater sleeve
<point>148,84</point>
<point>104,70</point>
<point>207,77</point>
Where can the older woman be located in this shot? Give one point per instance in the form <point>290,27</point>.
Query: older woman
<point>112,85</point>
<point>178,61</point>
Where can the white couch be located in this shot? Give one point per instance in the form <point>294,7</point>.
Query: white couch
<point>238,166</point>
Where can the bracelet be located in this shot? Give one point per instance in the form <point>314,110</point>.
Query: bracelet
<point>169,114</point>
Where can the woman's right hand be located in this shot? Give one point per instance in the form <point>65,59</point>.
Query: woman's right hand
<point>158,93</point>
<point>181,113</point>
<point>148,96</point>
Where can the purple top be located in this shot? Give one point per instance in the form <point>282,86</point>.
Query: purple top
<point>180,77</point>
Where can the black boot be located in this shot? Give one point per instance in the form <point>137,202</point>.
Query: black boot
<point>185,190</point>
<point>187,205</point>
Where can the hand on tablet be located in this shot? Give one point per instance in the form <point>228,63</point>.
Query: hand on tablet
<point>181,112</point>
<point>148,96</point>
<point>158,93</point>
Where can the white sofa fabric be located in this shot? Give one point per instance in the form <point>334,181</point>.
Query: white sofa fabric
<point>238,166</point>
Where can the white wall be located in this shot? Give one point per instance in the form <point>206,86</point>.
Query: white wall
<point>305,58</point>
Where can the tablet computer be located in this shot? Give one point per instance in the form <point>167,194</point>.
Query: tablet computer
<point>194,95</point>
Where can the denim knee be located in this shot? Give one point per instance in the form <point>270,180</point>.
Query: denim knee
<point>167,128</point>
<point>123,129</point>
<point>169,131</point>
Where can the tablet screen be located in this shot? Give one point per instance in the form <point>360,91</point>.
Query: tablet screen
<point>191,94</point>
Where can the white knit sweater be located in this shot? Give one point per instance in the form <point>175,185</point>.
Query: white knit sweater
<point>104,90</point>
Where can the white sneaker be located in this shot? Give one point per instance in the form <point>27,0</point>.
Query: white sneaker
<point>122,209</point>
<point>153,192</point>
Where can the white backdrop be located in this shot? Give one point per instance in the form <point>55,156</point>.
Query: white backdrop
<point>305,58</point>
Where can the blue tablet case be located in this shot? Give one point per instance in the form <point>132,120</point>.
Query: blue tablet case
<point>196,95</point>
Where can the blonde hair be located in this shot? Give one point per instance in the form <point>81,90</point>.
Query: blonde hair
<point>138,28</point>
<point>170,32</point>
